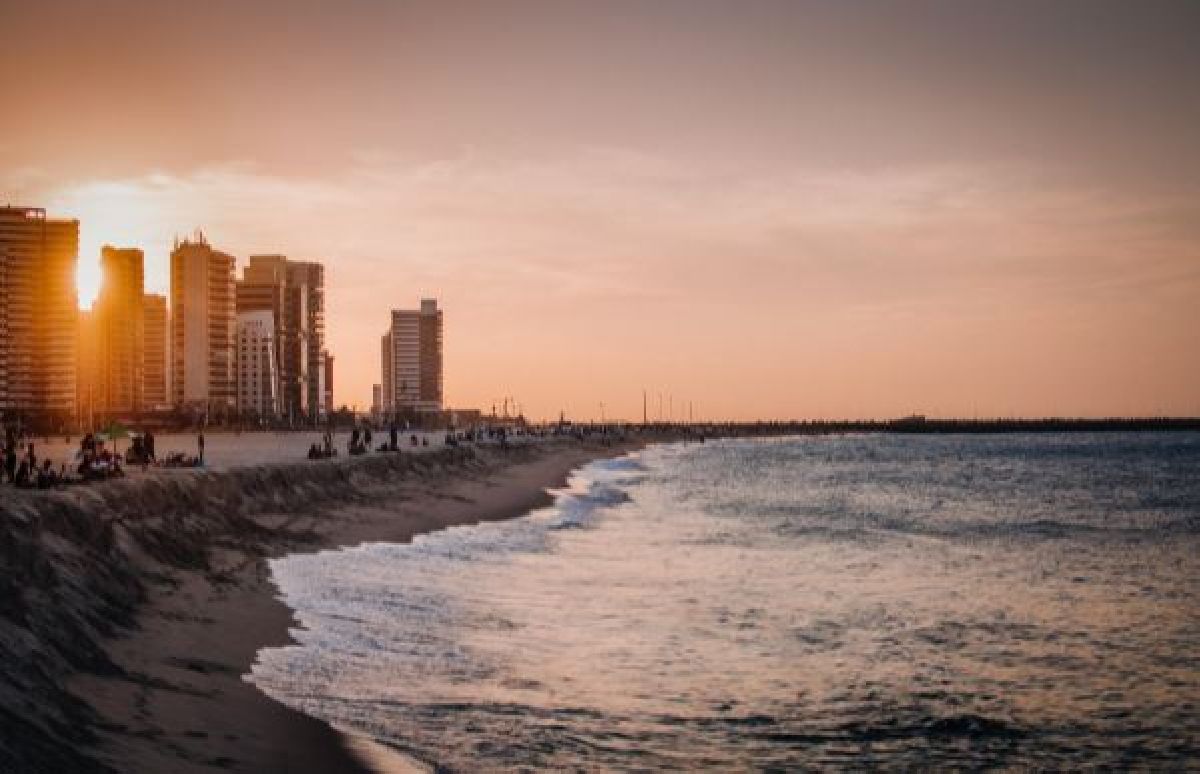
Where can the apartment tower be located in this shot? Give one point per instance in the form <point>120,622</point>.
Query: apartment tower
<point>38,315</point>
<point>155,346</point>
<point>117,317</point>
<point>257,375</point>
<point>411,360</point>
<point>203,326</point>
<point>294,293</point>
<point>87,371</point>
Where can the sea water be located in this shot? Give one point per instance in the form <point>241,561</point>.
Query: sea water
<point>839,601</point>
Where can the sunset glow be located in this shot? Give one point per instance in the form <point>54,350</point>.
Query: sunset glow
<point>775,232</point>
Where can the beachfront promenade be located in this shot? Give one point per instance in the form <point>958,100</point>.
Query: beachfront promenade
<point>228,449</point>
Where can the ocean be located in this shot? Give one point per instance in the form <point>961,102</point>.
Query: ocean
<point>840,602</point>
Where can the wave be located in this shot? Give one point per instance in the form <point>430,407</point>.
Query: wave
<point>73,565</point>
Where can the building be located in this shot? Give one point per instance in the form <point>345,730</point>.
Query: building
<point>203,326</point>
<point>155,348</point>
<point>294,293</point>
<point>87,371</point>
<point>117,317</point>
<point>411,360</point>
<point>38,315</point>
<point>308,279</point>
<point>327,384</point>
<point>386,369</point>
<point>257,374</point>
<point>376,400</point>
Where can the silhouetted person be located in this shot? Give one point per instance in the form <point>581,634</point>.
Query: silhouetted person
<point>148,443</point>
<point>10,462</point>
<point>200,447</point>
<point>22,478</point>
<point>394,438</point>
<point>46,476</point>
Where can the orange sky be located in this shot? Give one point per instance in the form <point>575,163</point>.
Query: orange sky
<point>767,209</point>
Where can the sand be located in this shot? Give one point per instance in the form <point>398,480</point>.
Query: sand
<point>225,449</point>
<point>179,702</point>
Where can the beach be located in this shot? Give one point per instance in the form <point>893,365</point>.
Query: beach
<point>179,599</point>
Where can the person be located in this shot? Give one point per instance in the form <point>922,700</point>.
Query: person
<point>148,444</point>
<point>314,453</point>
<point>22,477</point>
<point>46,476</point>
<point>10,462</point>
<point>367,437</point>
<point>32,457</point>
<point>200,447</point>
<point>394,441</point>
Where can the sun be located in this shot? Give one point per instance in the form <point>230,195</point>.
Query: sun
<point>88,279</point>
<point>122,216</point>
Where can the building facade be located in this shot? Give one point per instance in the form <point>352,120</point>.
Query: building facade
<point>87,371</point>
<point>327,382</point>
<point>155,349</point>
<point>257,374</point>
<point>203,327</point>
<point>294,293</point>
<point>38,315</point>
<point>117,317</point>
<point>411,360</point>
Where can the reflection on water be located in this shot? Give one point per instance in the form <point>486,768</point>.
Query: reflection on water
<point>895,601</point>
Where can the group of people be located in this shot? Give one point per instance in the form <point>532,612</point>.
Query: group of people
<point>21,467</point>
<point>96,461</point>
<point>324,450</point>
<point>360,443</point>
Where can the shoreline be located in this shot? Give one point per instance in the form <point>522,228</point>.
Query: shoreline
<point>178,699</point>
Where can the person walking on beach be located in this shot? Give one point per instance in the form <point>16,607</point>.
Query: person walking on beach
<point>200,447</point>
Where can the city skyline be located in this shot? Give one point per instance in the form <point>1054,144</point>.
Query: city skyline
<point>778,210</point>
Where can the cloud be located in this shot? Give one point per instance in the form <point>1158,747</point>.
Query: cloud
<point>621,239</point>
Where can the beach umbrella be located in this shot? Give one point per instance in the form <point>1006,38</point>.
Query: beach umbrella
<point>114,431</point>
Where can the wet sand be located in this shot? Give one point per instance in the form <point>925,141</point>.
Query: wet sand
<point>179,702</point>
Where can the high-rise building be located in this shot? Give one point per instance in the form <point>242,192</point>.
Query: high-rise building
<point>257,375</point>
<point>87,371</point>
<point>387,357</point>
<point>411,355</point>
<point>38,314</point>
<point>308,278</point>
<point>376,399</point>
<point>117,317</point>
<point>202,327</point>
<point>327,384</point>
<point>155,346</point>
<point>294,292</point>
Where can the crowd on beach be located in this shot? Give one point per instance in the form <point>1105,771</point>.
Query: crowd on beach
<point>361,439</point>
<point>24,470</point>
<point>94,460</point>
<point>104,455</point>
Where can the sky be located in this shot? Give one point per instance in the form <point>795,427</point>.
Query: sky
<point>752,209</point>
